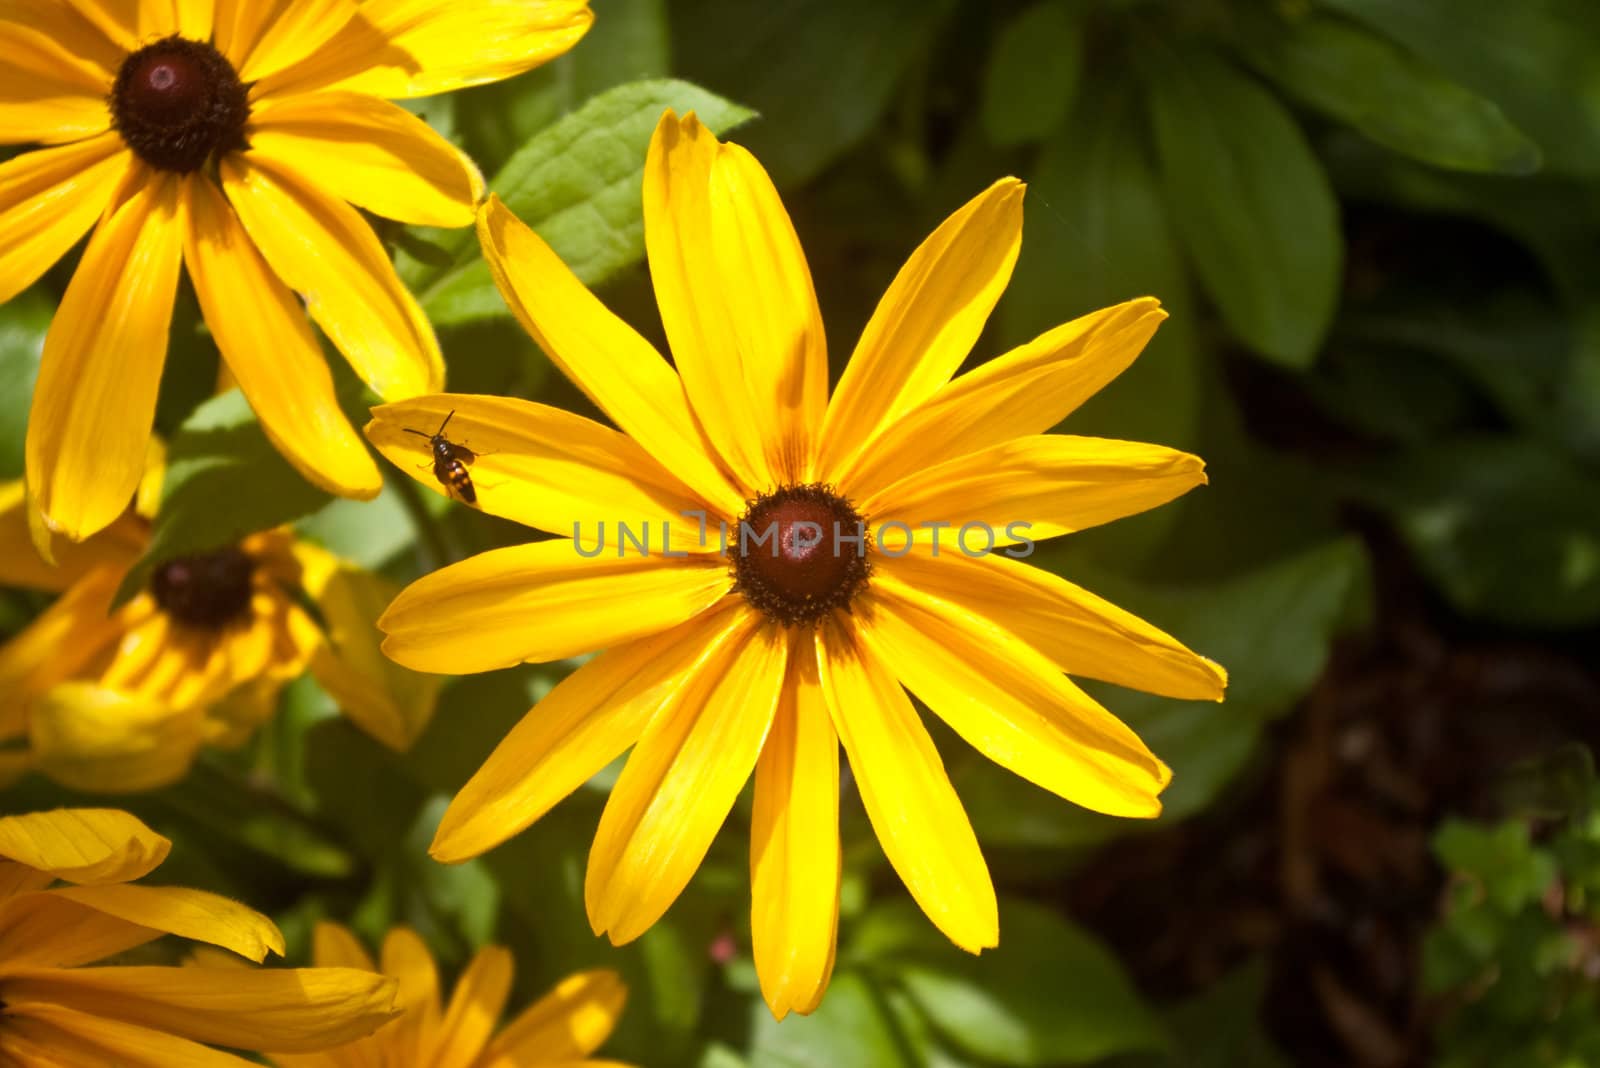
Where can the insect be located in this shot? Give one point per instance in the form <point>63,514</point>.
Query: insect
<point>450,461</point>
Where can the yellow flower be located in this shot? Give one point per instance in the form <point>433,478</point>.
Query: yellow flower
<point>55,1011</point>
<point>765,658</point>
<point>562,1028</point>
<point>121,700</point>
<point>237,137</point>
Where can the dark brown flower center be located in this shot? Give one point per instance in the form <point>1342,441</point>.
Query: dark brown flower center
<point>799,553</point>
<point>177,103</point>
<point>208,590</point>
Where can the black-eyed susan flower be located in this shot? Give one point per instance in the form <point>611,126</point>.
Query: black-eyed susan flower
<point>68,899</point>
<point>237,138</point>
<point>120,699</point>
<point>866,556</point>
<point>560,1029</point>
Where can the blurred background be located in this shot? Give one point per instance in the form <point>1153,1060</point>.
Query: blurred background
<point>1376,226</point>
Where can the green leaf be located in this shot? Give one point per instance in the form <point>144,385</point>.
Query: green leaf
<point>1049,994</point>
<point>578,183</point>
<point>1389,93</point>
<point>1538,59</point>
<point>1033,73</point>
<point>1252,203</point>
<point>1513,873</point>
<point>1221,1026</point>
<point>851,1029</point>
<point>23,322</point>
<point>1507,528</point>
<point>820,72</point>
<point>224,480</point>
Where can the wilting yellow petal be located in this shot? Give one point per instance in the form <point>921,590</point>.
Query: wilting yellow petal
<point>47,94</point>
<point>541,466</point>
<point>262,37</point>
<point>48,1035</point>
<point>589,719</point>
<point>89,737</point>
<point>49,198</point>
<point>405,48</point>
<point>325,251</point>
<point>681,780</point>
<point>1026,391</point>
<point>96,397</point>
<point>1048,484</point>
<point>89,846</point>
<point>926,323</point>
<point>270,348</point>
<point>194,914</point>
<point>1083,634</point>
<point>334,945</point>
<point>375,154</point>
<point>794,844</point>
<point>475,1006</point>
<point>406,959</point>
<point>270,1009</point>
<point>44,929</point>
<point>113,549</point>
<point>913,808</point>
<point>542,602</point>
<point>1011,704</point>
<point>568,1023</point>
<point>604,356</point>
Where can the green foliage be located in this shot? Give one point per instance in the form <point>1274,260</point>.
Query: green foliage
<point>1033,73</point>
<point>22,328</point>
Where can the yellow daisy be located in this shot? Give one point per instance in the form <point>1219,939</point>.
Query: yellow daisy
<point>562,1028</point>
<point>118,700</point>
<point>762,658</point>
<point>54,1011</point>
<point>239,138</point>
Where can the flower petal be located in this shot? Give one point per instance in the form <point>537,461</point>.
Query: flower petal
<point>89,846</point>
<point>271,1009</point>
<point>406,959</point>
<point>794,844</point>
<point>89,737</point>
<point>681,780</point>
<point>43,1034</point>
<point>262,37</point>
<point>47,94</point>
<point>1081,633</point>
<point>541,466</point>
<point>601,354</point>
<point>375,154</point>
<point>270,348</point>
<point>589,719</point>
<point>1011,704</point>
<point>407,48</point>
<point>926,323</point>
<point>60,22</point>
<point>46,930</point>
<point>49,198</point>
<point>475,1006</point>
<point>568,1023</point>
<point>193,914</point>
<point>334,945</point>
<point>1049,484</point>
<point>96,398</point>
<point>325,251</point>
<point>113,549</point>
<point>1026,391</point>
<point>913,808</point>
<point>126,22</point>
<point>60,642</point>
<point>542,602</point>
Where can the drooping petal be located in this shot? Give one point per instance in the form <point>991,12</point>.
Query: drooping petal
<point>795,854</point>
<point>271,1009</point>
<point>262,37</point>
<point>1082,633</point>
<point>48,200</point>
<point>89,846</point>
<point>270,348</point>
<point>568,1023</point>
<point>475,1006</point>
<point>44,929</point>
<point>601,354</point>
<point>1011,703</point>
<point>47,94</point>
<point>89,737</point>
<point>586,722</point>
<point>913,809</point>
<point>1026,391</point>
<point>681,780</point>
<point>375,154</point>
<point>1048,484</point>
<point>43,1034</point>
<point>407,48</point>
<point>112,550</point>
<point>542,602</point>
<point>96,397</point>
<point>322,249</point>
<point>926,323</point>
<point>543,467</point>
